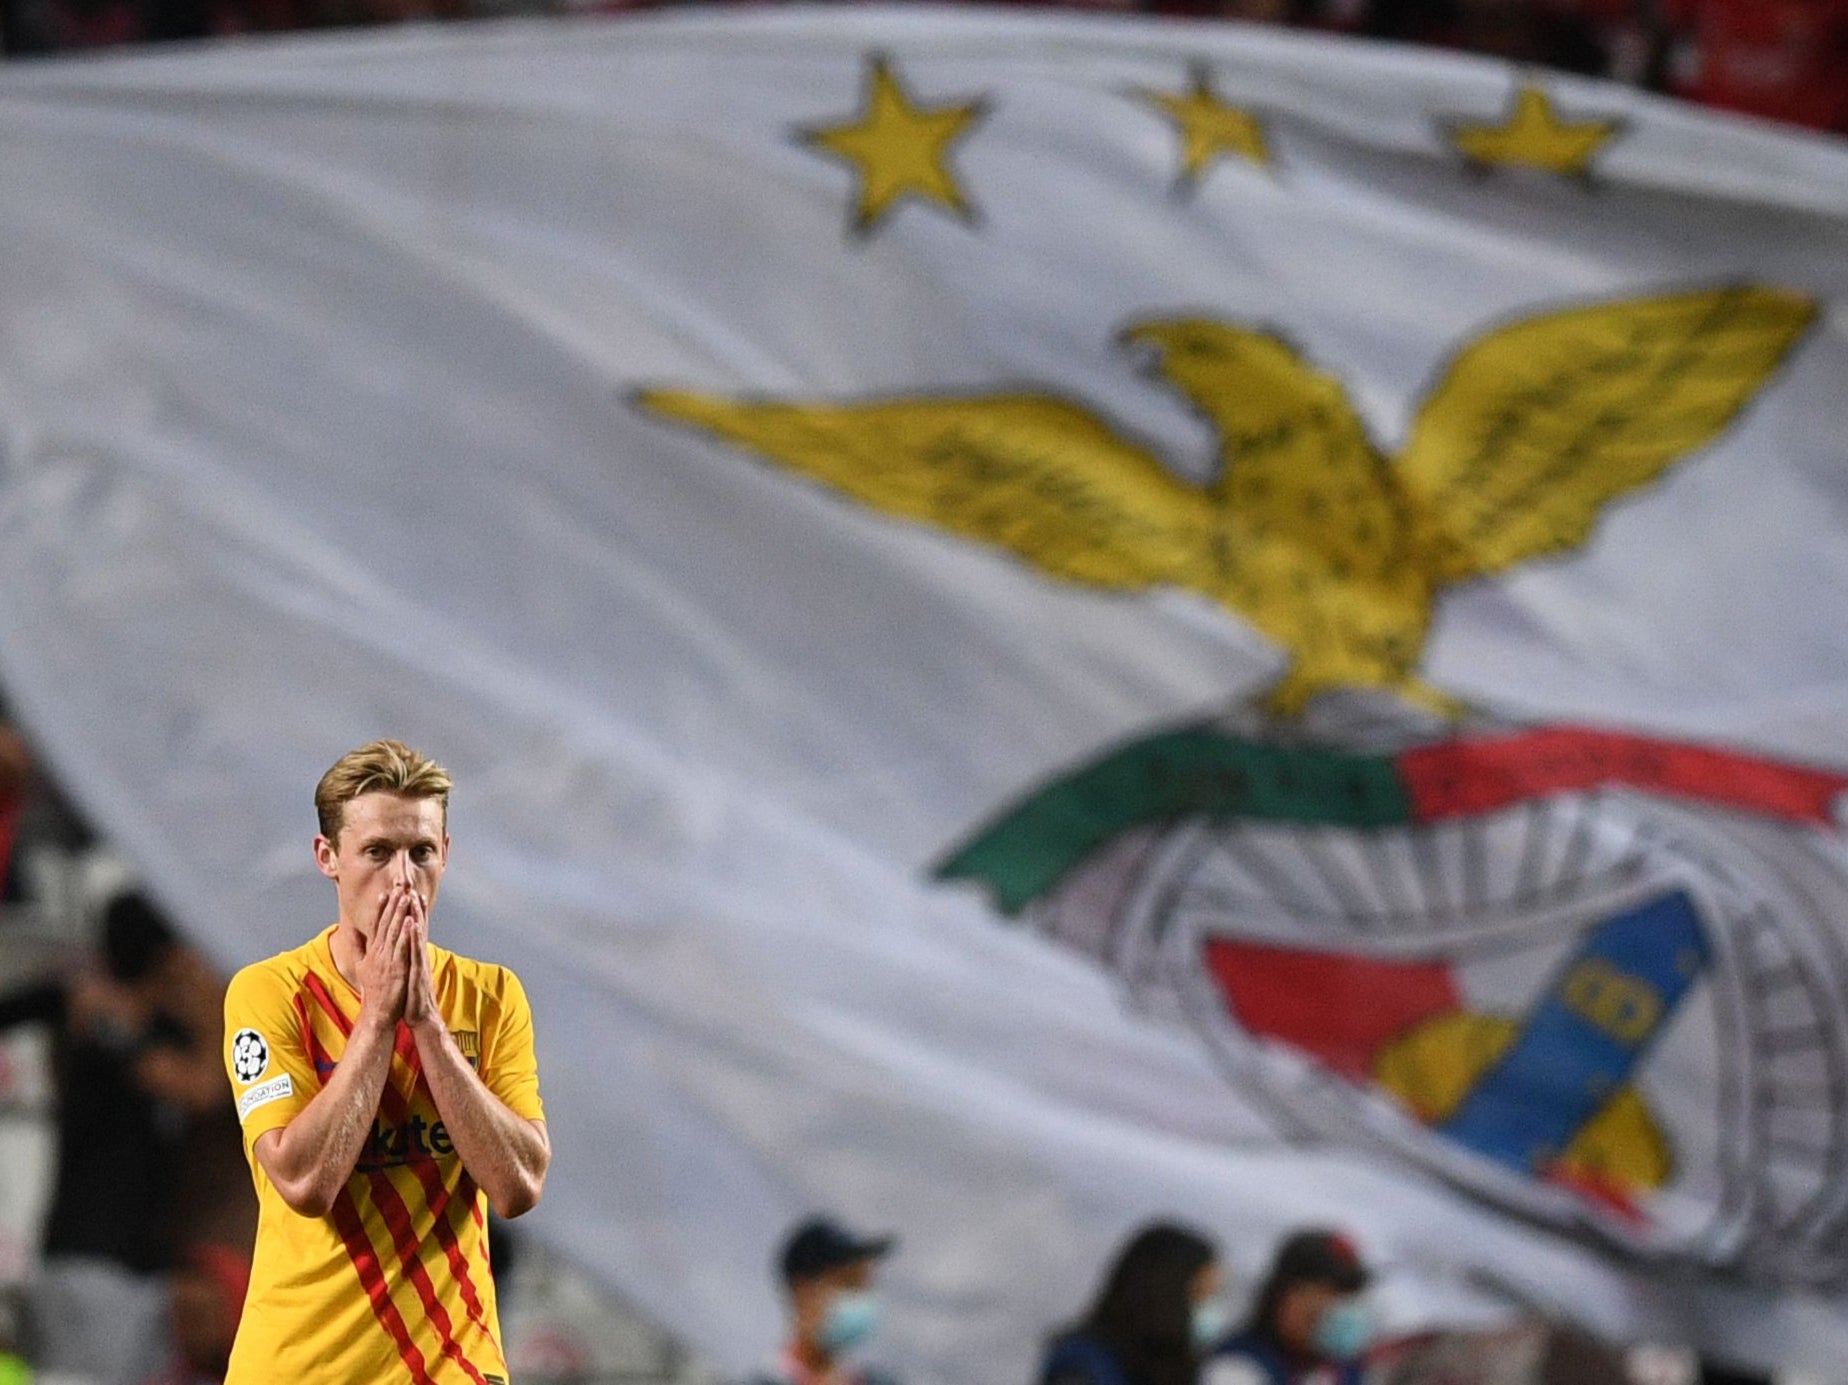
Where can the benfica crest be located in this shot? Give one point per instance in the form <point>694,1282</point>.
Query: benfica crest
<point>1589,976</point>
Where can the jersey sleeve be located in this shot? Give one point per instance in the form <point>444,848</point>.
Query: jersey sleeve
<point>509,1066</point>
<point>272,1076</point>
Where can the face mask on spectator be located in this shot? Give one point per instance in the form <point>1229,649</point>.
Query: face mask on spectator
<point>851,1319</point>
<point>1211,1321</point>
<point>1344,1331</point>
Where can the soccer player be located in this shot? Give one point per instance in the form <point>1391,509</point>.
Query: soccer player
<point>388,1094</point>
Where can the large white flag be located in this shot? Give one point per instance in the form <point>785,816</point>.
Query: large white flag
<point>1039,622</point>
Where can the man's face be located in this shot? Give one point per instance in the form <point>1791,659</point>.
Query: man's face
<point>811,1297</point>
<point>1301,1309</point>
<point>385,839</point>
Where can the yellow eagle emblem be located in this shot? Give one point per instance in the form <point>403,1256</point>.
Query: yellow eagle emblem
<point>1309,531</point>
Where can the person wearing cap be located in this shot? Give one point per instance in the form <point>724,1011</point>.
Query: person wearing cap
<point>1309,1326</point>
<point>827,1274</point>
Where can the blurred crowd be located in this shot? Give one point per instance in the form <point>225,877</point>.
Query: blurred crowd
<point>1168,1310</point>
<point>135,1268</point>
<point>142,1249</point>
<point>1782,59</point>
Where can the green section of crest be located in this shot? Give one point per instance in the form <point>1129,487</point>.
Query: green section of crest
<point>1195,772</point>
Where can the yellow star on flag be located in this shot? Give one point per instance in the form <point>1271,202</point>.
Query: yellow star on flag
<point>1209,128</point>
<point>1534,136</point>
<point>899,149</point>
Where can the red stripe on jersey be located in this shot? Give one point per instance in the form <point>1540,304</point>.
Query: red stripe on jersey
<point>404,1237</point>
<point>405,1046</point>
<point>317,1055</point>
<point>318,989</point>
<point>391,1100</point>
<point>308,1044</point>
<point>404,1043</point>
<point>397,1110</point>
<point>372,1278</point>
<point>474,1210</point>
<point>438,1198</point>
<point>458,1263</point>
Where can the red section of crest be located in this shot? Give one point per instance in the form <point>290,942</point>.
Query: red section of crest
<point>1338,1008</point>
<point>1608,1193</point>
<point>1458,778</point>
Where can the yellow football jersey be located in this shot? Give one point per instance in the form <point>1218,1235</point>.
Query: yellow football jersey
<point>393,1285</point>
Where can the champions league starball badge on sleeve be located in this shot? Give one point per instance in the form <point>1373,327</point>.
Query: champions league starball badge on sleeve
<point>1593,978</point>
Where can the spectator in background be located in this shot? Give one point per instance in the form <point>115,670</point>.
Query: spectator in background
<point>203,1311</point>
<point>133,1045</point>
<point>15,782</point>
<point>828,1275</point>
<point>1309,1326</point>
<point>1158,1313</point>
<point>1785,59</point>
<point>180,1067</point>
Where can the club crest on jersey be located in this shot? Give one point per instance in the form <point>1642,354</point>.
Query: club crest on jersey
<point>1587,976</point>
<point>249,1055</point>
<point>468,1041</point>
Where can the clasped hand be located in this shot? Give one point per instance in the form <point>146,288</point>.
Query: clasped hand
<point>394,965</point>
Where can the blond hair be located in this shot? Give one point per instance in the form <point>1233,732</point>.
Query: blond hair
<point>378,767</point>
